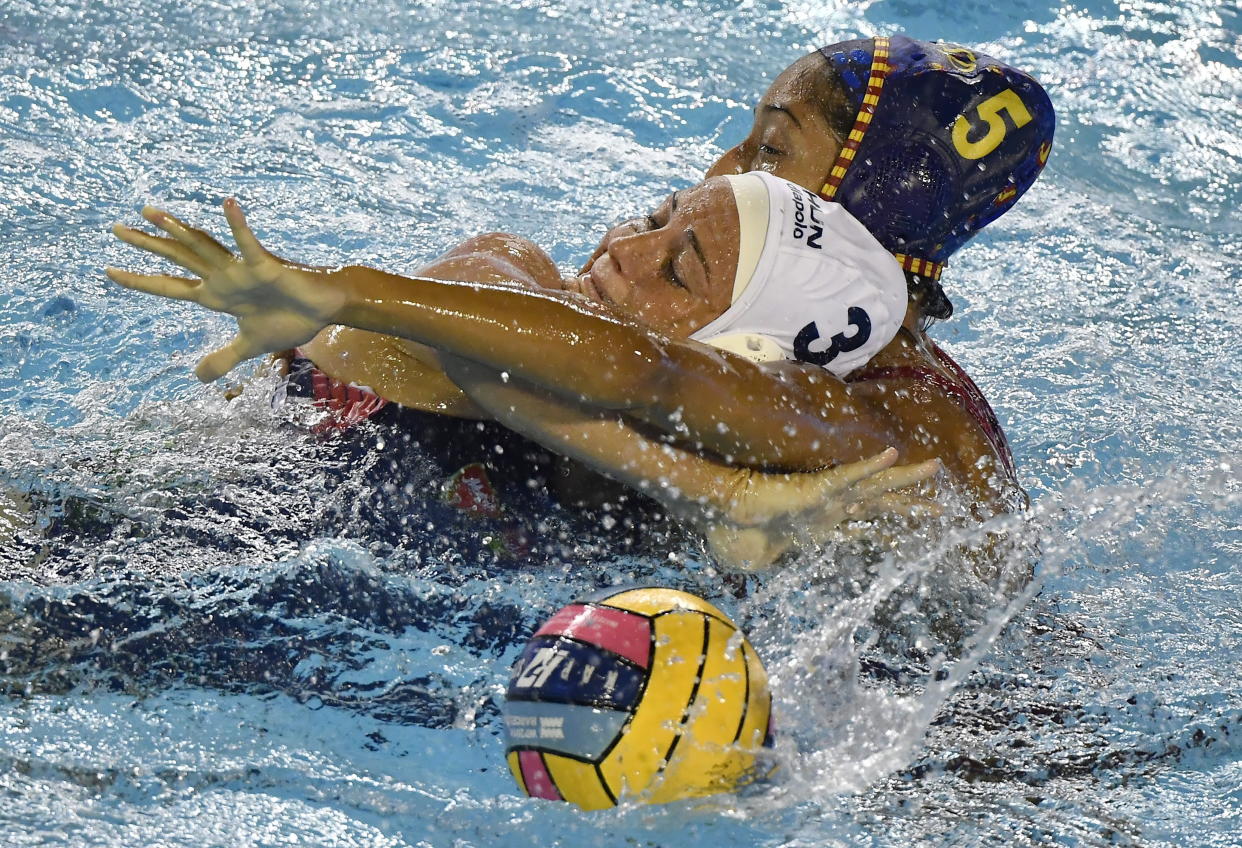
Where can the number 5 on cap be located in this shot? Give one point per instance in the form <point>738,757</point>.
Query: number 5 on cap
<point>988,114</point>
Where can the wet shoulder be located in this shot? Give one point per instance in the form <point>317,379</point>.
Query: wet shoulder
<point>500,257</point>
<point>943,414</point>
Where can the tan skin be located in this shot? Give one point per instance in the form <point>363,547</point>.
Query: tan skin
<point>783,416</point>
<point>790,136</point>
<point>495,308</point>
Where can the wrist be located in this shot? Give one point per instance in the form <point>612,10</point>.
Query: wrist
<point>341,295</point>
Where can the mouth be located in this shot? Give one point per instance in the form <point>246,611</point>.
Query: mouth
<point>593,283</point>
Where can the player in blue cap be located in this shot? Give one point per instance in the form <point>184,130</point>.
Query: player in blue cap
<point>925,143</point>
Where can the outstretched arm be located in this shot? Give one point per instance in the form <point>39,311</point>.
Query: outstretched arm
<point>785,417</point>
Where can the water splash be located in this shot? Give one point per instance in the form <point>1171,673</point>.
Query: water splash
<point>180,647</point>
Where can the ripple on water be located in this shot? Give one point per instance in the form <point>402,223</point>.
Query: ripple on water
<point>202,641</point>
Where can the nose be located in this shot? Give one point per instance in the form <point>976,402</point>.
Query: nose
<point>633,251</point>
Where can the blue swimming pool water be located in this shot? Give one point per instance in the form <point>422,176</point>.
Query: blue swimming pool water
<point>204,637</point>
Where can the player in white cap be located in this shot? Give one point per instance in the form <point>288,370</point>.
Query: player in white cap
<point>822,295</point>
<point>811,283</point>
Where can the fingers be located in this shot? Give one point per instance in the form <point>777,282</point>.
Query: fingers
<point>847,475</point>
<point>223,360</point>
<point>806,490</point>
<point>199,241</point>
<point>898,478</point>
<point>170,249</point>
<point>854,522</point>
<point>255,336</point>
<point>246,241</point>
<point>215,365</point>
<point>907,506</point>
<point>872,497</point>
<point>178,288</point>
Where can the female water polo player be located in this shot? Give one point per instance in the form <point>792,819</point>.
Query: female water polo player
<point>724,328</point>
<point>801,125</point>
<point>925,143</point>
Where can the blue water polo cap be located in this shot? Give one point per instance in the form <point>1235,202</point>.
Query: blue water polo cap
<point>946,139</point>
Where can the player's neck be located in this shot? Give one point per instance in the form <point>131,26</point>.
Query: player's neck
<point>910,343</point>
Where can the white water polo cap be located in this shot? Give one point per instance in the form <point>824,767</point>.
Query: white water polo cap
<point>812,283</point>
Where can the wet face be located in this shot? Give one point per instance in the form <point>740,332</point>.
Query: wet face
<point>790,137</point>
<point>674,269</point>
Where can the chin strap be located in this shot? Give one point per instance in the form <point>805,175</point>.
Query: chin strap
<point>871,99</point>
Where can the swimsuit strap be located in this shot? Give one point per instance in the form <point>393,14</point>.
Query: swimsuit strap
<point>962,389</point>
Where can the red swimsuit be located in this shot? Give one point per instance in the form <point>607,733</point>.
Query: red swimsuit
<point>346,405</point>
<point>963,389</point>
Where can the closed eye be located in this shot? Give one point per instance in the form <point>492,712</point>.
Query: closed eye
<point>670,271</point>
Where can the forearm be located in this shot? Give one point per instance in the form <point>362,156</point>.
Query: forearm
<point>551,339</point>
<point>684,482</point>
<point>780,417</point>
<point>581,352</point>
<point>398,370</point>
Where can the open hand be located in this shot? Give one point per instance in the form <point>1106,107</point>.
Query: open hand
<point>278,304</point>
<point>766,513</point>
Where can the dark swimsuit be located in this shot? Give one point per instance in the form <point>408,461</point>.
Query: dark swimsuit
<point>447,441</point>
<point>490,475</point>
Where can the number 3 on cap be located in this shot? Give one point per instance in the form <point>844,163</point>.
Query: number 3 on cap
<point>858,318</point>
<point>988,114</point>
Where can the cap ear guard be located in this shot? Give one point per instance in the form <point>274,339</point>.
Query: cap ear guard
<point>822,289</point>
<point>752,346</point>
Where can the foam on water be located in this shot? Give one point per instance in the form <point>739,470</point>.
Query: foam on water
<point>206,639</point>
